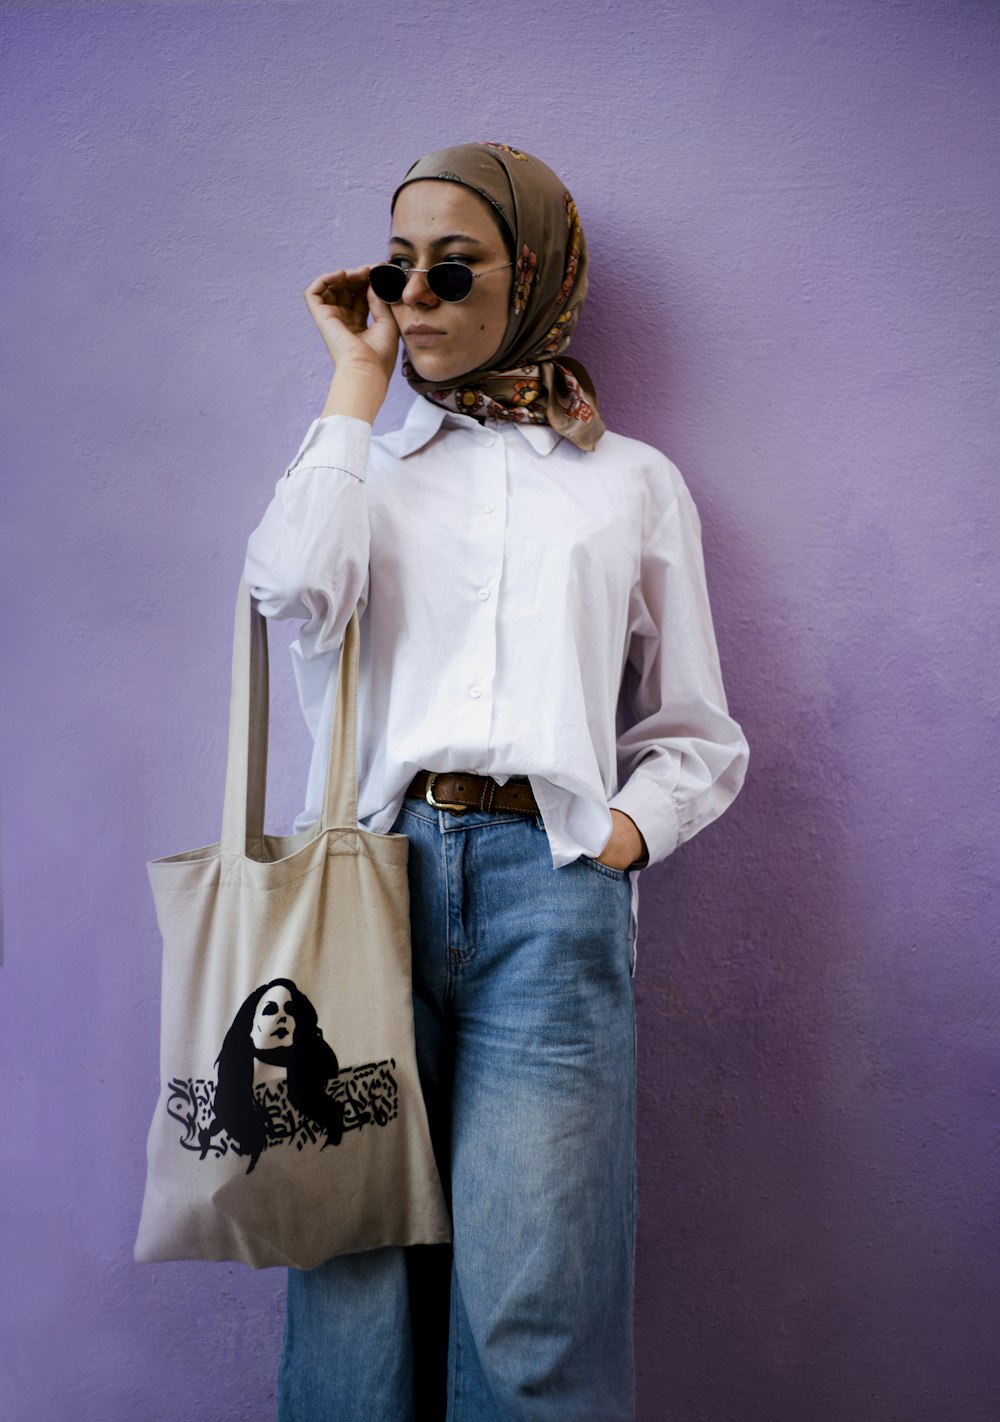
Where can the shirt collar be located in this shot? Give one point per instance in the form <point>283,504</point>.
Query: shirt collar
<point>425,418</point>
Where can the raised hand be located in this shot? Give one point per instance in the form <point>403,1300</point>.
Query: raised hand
<point>361,334</point>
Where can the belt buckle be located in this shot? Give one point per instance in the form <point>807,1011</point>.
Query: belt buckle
<point>439,804</point>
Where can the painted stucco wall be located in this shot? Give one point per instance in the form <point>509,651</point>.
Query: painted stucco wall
<point>792,209</point>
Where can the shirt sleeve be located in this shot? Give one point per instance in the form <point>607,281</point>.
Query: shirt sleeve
<point>682,761</point>
<point>308,556</point>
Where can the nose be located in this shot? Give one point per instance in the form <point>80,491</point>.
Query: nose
<point>416,292</point>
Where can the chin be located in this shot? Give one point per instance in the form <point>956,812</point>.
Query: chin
<point>431,366</point>
<point>430,369</point>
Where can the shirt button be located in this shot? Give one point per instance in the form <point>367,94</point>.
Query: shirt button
<point>475,691</point>
<point>491,441</point>
<point>488,508</point>
<point>484,593</point>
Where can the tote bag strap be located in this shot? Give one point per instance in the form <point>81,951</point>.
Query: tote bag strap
<point>246,765</point>
<point>340,799</point>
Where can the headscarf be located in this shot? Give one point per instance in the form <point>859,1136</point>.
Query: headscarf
<point>525,382</point>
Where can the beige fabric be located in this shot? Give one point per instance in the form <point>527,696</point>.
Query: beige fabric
<point>243,1163</point>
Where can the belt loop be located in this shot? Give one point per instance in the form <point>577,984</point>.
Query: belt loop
<point>489,791</point>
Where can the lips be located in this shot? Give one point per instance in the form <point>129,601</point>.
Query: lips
<point>424,336</point>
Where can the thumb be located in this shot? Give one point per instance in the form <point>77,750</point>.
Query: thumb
<point>379,309</point>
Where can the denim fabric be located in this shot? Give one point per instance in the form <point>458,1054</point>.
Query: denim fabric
<point>526,1047</point>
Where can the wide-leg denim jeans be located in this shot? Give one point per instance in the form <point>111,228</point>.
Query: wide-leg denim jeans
<point>526,1046</point>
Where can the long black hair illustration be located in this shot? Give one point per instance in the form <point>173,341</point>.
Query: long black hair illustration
<point>276,1024</point>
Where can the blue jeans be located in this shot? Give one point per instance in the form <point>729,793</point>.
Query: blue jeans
<point>526,1047</point>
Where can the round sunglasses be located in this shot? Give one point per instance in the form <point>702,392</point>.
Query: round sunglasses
<point>451,281</point>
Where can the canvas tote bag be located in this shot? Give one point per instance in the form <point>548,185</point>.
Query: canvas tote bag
<point>290,1124</point>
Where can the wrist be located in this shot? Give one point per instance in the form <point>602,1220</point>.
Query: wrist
<point>636,844</point>
<point>355,392</point>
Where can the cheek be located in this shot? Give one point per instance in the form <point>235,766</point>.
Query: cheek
<point>495,330</point>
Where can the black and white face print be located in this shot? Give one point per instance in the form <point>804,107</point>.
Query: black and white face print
<point>279,1082</point>
<point>274,1020</point>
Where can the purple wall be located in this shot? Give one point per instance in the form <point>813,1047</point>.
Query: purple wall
<point>792,208</point>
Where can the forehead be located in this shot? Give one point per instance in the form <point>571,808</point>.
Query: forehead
<point>433,206</point>
<point>275,994</point>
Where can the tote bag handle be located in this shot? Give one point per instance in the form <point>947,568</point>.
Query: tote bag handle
<point>246,765</point>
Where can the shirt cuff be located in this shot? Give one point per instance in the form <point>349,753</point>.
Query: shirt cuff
<point>655,815</point>
<point>335,442</point>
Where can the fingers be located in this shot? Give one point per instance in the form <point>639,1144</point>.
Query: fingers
<point>339,288</point>
<point>353,323</point>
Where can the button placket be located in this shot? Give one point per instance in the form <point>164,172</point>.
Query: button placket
<point>490,475</point>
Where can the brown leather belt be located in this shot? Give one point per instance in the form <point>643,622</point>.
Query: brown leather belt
<point>458,790</point>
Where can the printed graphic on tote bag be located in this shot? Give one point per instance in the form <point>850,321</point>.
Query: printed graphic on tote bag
<point>279,1083</point>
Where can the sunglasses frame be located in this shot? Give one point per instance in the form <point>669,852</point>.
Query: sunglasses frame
<point>407,272</point>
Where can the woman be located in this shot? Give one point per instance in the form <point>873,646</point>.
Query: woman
<point>541,712</point>
<point>276,1025</point>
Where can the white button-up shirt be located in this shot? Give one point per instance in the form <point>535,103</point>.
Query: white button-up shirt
<point>528,609</point>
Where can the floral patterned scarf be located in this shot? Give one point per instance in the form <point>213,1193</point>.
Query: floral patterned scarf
<point>526,382</point>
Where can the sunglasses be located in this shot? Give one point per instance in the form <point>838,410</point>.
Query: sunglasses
<point>451,281</point>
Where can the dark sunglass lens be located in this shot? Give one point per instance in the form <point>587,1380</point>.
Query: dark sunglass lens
<point>450,280</point>
<point>387,282</point>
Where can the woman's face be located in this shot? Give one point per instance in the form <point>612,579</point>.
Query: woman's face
<point>274,1022</point>
<point>436,221</point>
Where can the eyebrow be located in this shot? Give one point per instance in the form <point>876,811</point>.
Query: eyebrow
<point>440,241</point>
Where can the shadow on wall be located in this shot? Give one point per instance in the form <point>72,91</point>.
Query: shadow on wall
<point>748,982</point>
<point>624,337</point>
<point>744,936</point>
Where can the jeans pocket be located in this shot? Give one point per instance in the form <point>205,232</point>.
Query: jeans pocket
<point>607,870</point>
